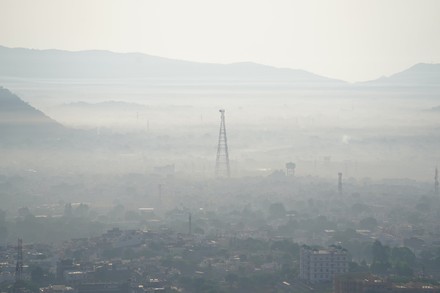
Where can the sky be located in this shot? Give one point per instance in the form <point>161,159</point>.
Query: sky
<point>352,40</point>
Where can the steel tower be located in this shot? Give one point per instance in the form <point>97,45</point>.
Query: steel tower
<point>19,265</point>
<point>222,168</point>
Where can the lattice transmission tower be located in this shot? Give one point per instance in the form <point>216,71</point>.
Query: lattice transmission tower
<point>222,168</point>
<point>19,265</point>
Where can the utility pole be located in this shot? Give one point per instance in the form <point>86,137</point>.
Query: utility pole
<point>189,224</point>
<point>340,183</point>
<point>436,191</point>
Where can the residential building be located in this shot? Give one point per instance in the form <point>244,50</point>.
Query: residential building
<point>321,265</point>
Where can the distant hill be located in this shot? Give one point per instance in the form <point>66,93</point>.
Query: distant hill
<point>21,122</point>
<point>422,74</point>
<point>104,106</point>
<point>28,63</point>
<point>435,109</point>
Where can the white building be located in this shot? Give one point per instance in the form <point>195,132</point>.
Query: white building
<point>74,276</point>
<point>57,289</point>
<point>321,265</point>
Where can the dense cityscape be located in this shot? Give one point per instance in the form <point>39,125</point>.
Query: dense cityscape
<point>298,242</point>
<point>219,146</point>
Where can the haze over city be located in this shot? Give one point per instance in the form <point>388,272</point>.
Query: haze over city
<point>219,146</point>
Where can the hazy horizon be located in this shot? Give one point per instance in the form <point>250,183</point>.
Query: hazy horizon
<point>214,63</point>
<point>348,40</point>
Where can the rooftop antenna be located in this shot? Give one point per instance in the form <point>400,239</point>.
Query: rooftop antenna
<point>222,168</point>
<point>436,183</point>
<point>340,183</point>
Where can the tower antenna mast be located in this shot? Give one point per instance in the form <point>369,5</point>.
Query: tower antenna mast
<point>222,168</point>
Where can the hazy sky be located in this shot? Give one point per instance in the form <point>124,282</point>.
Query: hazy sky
<point>347,39</point>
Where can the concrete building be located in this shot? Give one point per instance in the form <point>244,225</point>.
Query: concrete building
<point>321,265</point>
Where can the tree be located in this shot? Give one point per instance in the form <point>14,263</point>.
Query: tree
<point>381,258</point>
<point>403,269</point>
<point>381,253</point>
<point>403,255</point>
<point>277,210</point>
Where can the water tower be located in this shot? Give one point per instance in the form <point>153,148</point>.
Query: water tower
<point>290,169</point>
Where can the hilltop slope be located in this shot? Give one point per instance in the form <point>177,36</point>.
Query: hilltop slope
<point>20,121</point>
<point>418,75</point>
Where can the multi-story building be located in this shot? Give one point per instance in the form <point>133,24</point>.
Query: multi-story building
<point>321,265</point>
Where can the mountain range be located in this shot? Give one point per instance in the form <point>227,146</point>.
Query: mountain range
<point>30,63</point>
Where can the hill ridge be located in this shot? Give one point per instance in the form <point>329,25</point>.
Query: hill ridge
<point>22,62</point>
